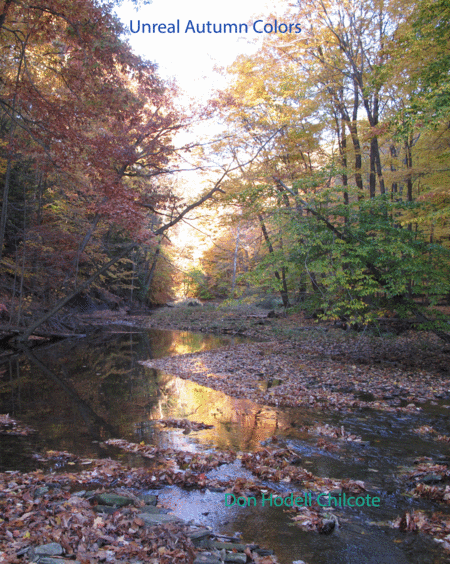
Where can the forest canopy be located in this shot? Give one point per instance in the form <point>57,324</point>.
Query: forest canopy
<point>350,189</point>
<point>86,136</point>
<point>337,197</point>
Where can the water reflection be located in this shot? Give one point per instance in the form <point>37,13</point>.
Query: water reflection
<point>78,394</point>
<point>237,424</point>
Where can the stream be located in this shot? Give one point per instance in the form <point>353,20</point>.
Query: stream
<point>80,392</point>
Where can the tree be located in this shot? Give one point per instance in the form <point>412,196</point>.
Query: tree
<point>330,200</point>
<point>92,123</point>
<point>423,115</point>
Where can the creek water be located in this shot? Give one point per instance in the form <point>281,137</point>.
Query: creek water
<point>78,393</point>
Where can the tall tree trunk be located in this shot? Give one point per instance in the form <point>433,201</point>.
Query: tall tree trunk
<point>4,214</point>
<point>372,111</point>
<point>24,244</point>
<point>151,273</point>
<point>409,182</point>
<point>353,129</point>
<point>394,185</point>
<point>235,255</point>
<point>283,291</point>
<point>372,173</point>
<point>6,186</point>
<point>344,166</point>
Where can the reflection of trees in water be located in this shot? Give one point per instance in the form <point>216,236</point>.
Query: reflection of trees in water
<point>79,391</point>
<point>75,392</point>
<point>97,427</point>
<point>238,424</point>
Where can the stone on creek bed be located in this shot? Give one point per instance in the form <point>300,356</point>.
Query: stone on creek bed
<point>44,554</point>
<point>237,557</point>
<point>200,537</point>
<point>153,519</point>
<point>431,479</point>
<point>148,499</point>
<point>113,500</point>
<point>48,560</point>
<point>207,558</point>
<point>152,509</point>
<point>228,546</point>
<point>108,509</point>
<point>50,549</point>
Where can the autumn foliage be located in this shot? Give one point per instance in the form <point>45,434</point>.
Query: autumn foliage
<point>85,130</point>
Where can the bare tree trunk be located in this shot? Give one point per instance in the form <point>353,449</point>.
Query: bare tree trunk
<point>235,254</point>
<point>283,291</point>
<point>22,274</point>
<point>4,214</point>
<point>5,195</point>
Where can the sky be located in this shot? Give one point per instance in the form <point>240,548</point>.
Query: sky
<point>190,57</point>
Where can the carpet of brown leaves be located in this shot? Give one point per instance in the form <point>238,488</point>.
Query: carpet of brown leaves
<point>38,508</point>
<point>308,377</point>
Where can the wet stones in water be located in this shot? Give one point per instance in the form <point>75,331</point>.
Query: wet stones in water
<point>327,526</point>
<point>431,479</point>
<point>219,551</point>
<point>228,546</point>
<point>152,516</point>
<point>200,538</point>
